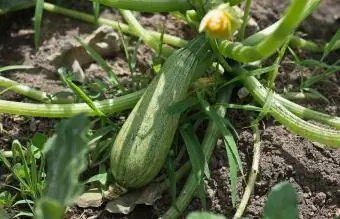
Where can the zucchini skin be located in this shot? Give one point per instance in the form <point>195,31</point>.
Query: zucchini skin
<point>143,143</point>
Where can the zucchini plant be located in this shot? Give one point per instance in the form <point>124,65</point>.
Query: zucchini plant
<point>142,145</point>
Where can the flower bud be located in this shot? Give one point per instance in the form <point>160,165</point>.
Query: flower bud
<point>221,22</point>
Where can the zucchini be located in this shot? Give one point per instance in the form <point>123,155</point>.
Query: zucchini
<point>142,144</point>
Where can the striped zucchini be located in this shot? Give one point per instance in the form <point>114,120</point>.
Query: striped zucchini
<point>142,144</point>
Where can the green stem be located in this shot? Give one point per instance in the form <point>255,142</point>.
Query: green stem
<point>168,39</point>
<point>269,44</point>
<point>24,90</point>
<point>148,5</point>
<point>245,20</point>
<point>306,113</point>
<point>259,36</point>
<point>148,39</point>
<point>287,118</point>
<point>301,96</point>
<point>109,106</point>
<point>208,146</point>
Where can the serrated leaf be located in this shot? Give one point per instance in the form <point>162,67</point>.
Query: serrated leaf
<point>281,203</point>
<point>66,159</point>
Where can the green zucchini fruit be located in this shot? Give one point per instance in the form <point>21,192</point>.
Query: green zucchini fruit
<point>142,144</point>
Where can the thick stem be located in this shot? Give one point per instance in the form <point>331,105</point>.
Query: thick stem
<point>291,121</point>
<point>24,90</point>
<point>109,106</point>
<point>270,43</point>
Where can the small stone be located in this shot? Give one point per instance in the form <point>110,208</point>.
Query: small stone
<point>313,208</point>
<point>320,198</point>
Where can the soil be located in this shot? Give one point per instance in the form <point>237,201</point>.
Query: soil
<point>313,171</point>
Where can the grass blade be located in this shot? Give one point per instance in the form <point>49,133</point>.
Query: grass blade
<point>197,159</point>
<point>96,11</point>
<point>172,178</point>
<point>39,8</point>
<point>183,105</point>
<point>15,67</point>
<point>234,159</point>
<point>256,72</point>
<point>329,46</point>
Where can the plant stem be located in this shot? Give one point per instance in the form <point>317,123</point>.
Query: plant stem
<point>301,96</point>
<point>253,173</point>
<point>148,5</point>
<point>109,106</point>
<point>306,113</point>
<point>272,42</point>
<point>287,118</point>
<point>168,39</point>
<point>208,146</point>
<point>148,39</point>
<point>24,90</point>
<point>245,20</point>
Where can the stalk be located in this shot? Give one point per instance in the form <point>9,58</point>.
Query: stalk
<point>109,106</point>
<point>259,36</point>
<point>139,29</point>
<point>291,121</point>
<point>168,39</point>
<point>306,113</point>
<point>24,90</point>
<point>208,146</point>
<point>269,44</point>
<point>253,173</point>
<point>148,5</point>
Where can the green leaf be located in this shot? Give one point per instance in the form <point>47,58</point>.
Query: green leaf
<point>329,46</point>
<point>5,199</point>
<point>281,203</point>
<point>197,159</point>
<point>183,105</point>
<point>49,208</point>
<point>13,5</point>
<point>39,140</point>
<point>172,177</point>
<point>66,159</point>
<point>204,215</point>
<point>234,159</point>
<point>101,177</point>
